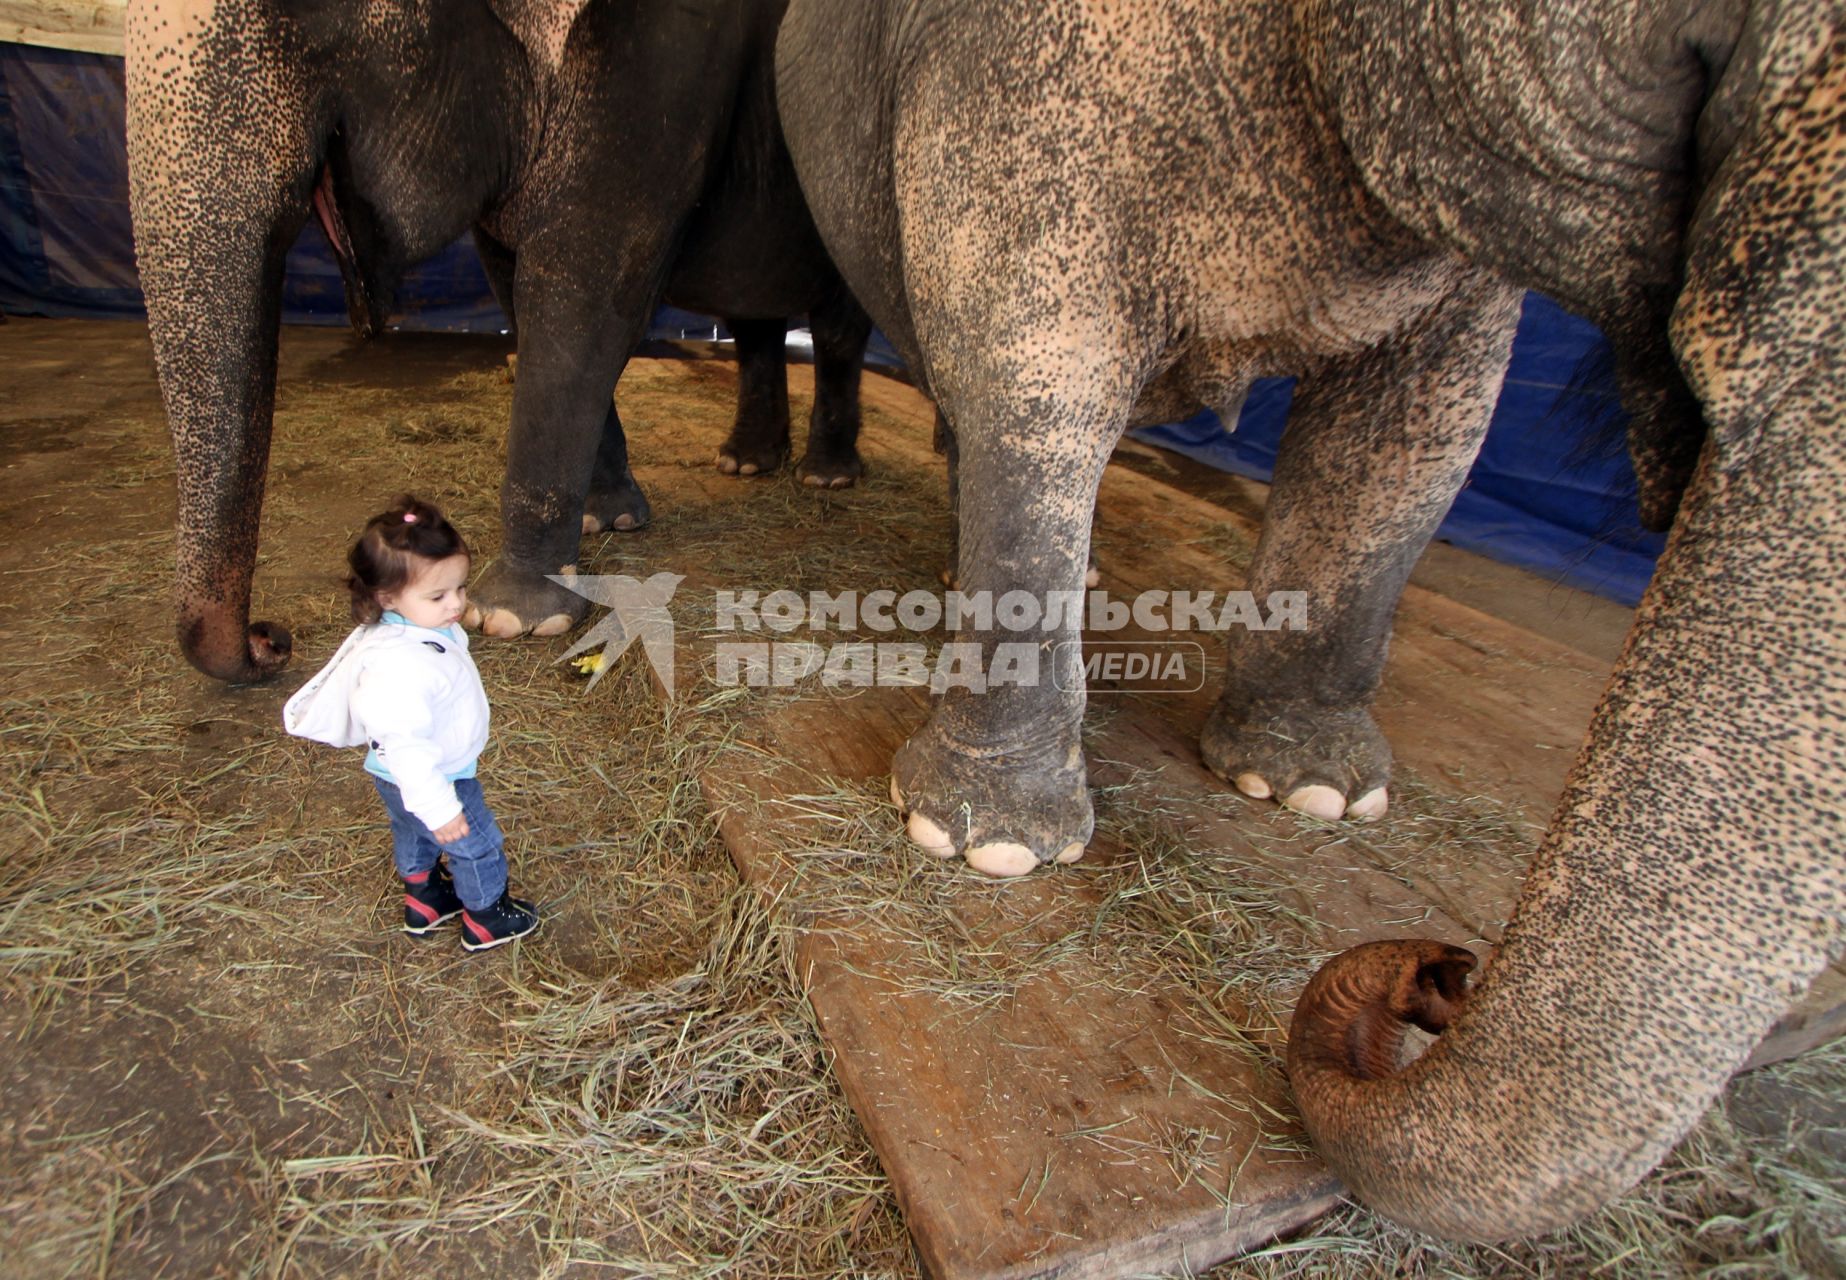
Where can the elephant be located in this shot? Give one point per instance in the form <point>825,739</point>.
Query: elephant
<point>602,151</point>
<point>1071,217</point>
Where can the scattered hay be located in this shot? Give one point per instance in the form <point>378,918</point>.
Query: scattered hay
<point>221,1057</point>
<point>685,1128</point>
<point>173,863</point>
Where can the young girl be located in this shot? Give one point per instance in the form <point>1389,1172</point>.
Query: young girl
<point>404,683</point>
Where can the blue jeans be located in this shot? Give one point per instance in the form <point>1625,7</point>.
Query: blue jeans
<point>477,861</point>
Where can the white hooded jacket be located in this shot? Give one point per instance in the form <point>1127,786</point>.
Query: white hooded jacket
<point>415,696</point>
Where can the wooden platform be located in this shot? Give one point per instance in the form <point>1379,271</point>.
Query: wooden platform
<point>91,26</point>
<point>1050,1089</point>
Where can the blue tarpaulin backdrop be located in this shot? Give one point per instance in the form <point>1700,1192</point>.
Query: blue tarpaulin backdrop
<point>1538,496</point>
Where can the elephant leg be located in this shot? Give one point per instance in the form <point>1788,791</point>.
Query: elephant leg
<point>616,500</point>
<point>944,443</point>
<point>500,265</point>
<point>218,192</point>
<point>758,443</point>
<point>1376,448</point>
<point>576,338</point>
<point>997,774</point>
<point>841,329</point>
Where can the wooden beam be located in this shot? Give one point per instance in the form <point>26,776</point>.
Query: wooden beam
<point>90,26</point>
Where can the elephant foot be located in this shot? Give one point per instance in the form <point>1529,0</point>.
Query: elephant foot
<point>506,602</point>
<point>829,471</point>
<point>623,509</point>
<point>1320,761</point>
<point>744,457</point>
<point>1004,820</point>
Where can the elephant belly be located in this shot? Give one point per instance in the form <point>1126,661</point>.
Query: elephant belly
<point>1249,325</point>
<point>753,266</point>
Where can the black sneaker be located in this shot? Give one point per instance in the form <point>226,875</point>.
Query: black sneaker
<point>428,904</point>
<point>507,919</point>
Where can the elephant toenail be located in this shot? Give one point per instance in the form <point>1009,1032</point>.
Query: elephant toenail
<point>502,624</point>
<point>1317,801</point>
<point>1069,853</point>
<point>929,837</point>
<point>1253,785</point>
<point>1002,859</point>
<point>1369,807</point>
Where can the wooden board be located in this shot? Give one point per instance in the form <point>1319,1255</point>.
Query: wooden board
<point>1072,1127</point>
<point>1085,1113</point>
<point>95,26</point>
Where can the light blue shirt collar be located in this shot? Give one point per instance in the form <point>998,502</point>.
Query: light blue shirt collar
<point>397,619</point>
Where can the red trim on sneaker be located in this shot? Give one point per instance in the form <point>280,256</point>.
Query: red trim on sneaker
<point>473,926</point>
<point>423,909</point>
<point>422,877</point>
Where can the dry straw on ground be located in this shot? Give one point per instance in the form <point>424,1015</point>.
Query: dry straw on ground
<point>221,1058</point>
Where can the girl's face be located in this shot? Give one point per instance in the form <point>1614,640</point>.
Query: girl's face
<point>435,596</point>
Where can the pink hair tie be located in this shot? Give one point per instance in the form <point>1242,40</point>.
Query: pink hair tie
<point>410,517</point>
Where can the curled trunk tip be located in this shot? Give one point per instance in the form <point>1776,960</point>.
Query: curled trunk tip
<point>225,648</point>
<point>1351,1018</point>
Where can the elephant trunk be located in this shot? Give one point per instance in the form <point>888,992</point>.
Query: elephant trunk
<point>220,502</point>
<point>1688,890</point>
<point>218,187</point>
<point>1481,1139</point>
<point>214,333</point>
<point>1588,1051</point>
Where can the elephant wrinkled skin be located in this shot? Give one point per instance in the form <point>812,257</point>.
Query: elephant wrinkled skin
<point>600,150</point>
<point>1070,216</point>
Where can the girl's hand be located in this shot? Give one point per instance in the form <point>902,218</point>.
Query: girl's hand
<point>452,830</point>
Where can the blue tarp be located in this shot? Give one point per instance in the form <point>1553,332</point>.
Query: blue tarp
<point>1536,497</point>
<point>1540,496</point>
<point>66,240</point>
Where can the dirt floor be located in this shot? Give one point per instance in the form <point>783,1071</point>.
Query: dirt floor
<point>223,1059</point>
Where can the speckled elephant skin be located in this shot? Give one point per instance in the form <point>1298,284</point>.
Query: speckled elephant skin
<point>1073,215</point>
<point>599,149</point>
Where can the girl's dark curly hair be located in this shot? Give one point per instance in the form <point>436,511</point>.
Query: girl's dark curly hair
<point>394,548</point>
